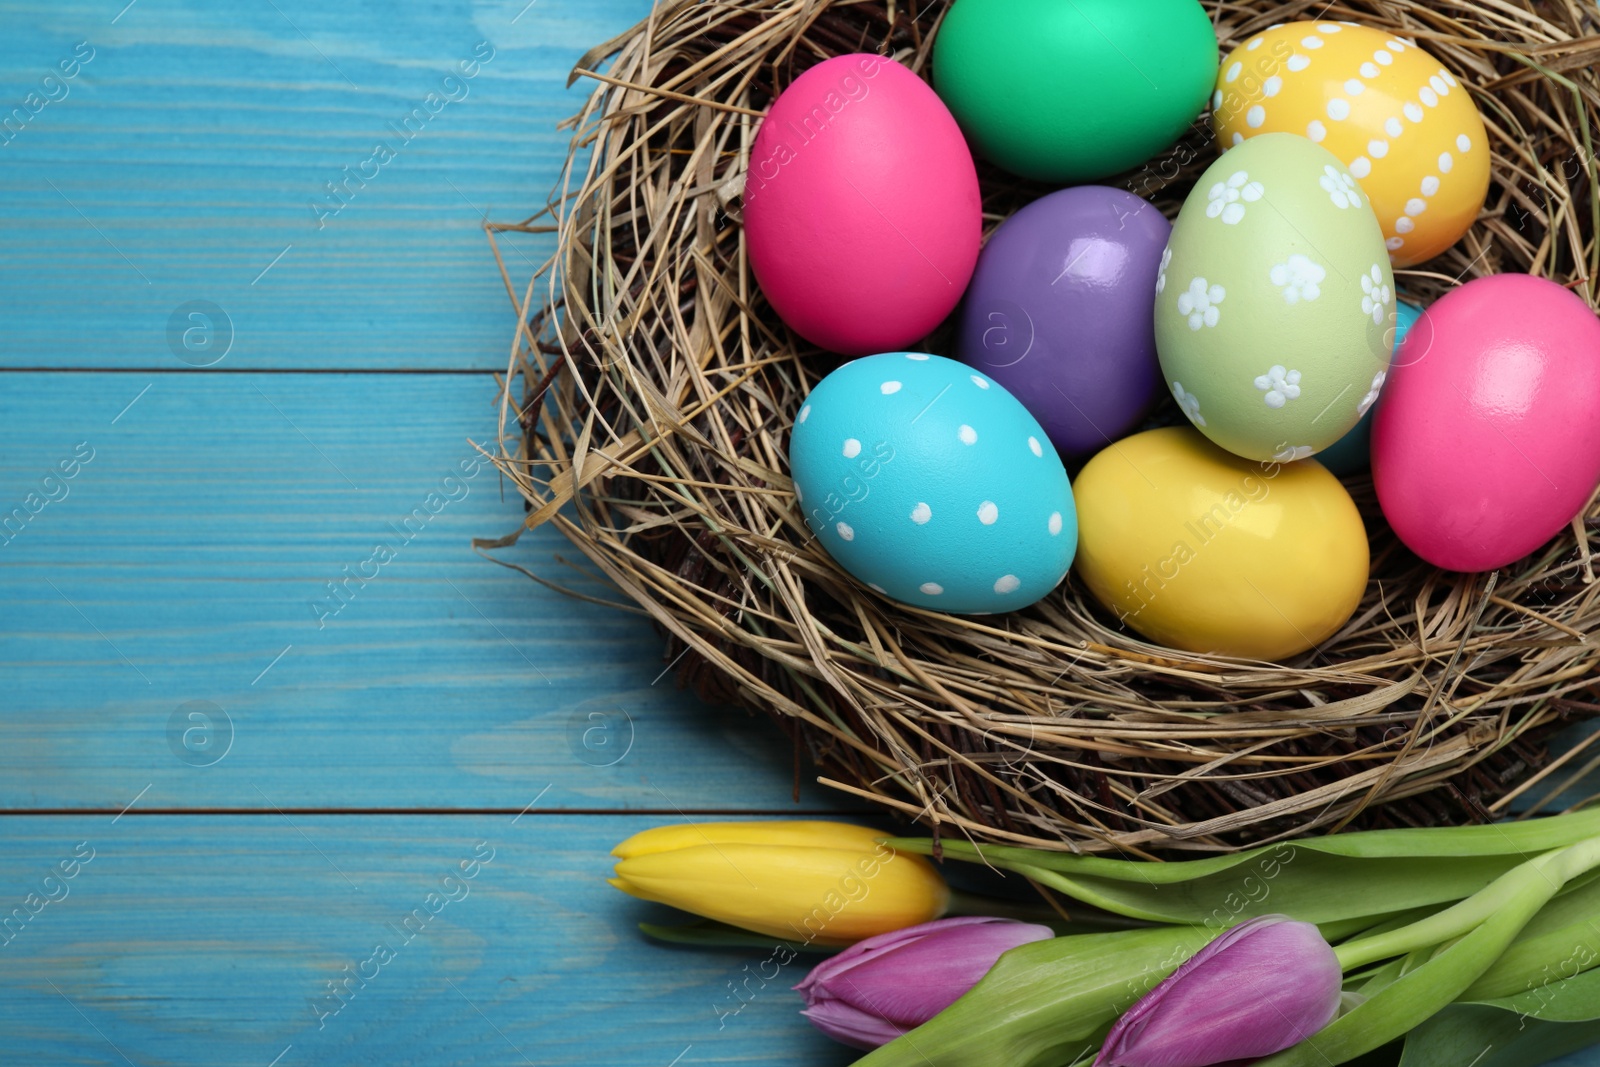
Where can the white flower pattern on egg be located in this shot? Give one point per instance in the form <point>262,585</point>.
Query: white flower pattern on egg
<point>1290,453</point>
<point>1279,384</point>
<point>1227,199</point>
<point>1372,394</point>
<point>1189,403</point>
<point>1341,187</point>
<point>1299,278</point>
<point>1161,274</point>
<point>1199,302</point>
<point>1375,296</point>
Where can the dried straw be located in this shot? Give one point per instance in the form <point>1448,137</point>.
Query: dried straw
<point>646,414</point>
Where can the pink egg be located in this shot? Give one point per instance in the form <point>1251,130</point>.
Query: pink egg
<point>861,206</point>
<point>1487,442</point>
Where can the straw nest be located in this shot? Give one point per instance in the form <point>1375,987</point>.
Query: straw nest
<point>647,413</point>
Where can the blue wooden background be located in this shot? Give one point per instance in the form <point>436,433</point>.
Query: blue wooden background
<point>346,761</point>
<point>254,778</point>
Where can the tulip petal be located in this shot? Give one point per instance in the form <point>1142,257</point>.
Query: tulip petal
<point>802,833</point>
<point>874,947</point>
<point>913,983</point>
<point>886,985</point>
<point>851,1026</point>
<point>816,895</point>
<point>1257,989</point>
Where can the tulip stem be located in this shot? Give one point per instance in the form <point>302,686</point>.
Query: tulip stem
<point>1555,867</point>
<point>1076,920</point>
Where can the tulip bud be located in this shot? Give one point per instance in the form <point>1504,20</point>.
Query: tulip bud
<point>822,883</point>
<point>878,989</point>
<point>1258,988</point>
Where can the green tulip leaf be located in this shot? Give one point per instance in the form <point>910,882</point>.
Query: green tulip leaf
<point>1046,1003</point>
<point>1562,941</point>
<point>1290,880</point>
<point>1318,880</point>
<point>1564,1000</point>
<point>1519,839</point>
<point>1480,1036</point>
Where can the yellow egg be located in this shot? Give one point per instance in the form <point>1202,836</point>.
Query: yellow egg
<point>1201,550</point>
<point>1392,113</point>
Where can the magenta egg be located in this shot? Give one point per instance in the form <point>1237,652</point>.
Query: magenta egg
<point>861,206</point>
<point>1487,442</point>
<point>1061,311</point>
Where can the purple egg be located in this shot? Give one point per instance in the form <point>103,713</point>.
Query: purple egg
<point>1061,312</point>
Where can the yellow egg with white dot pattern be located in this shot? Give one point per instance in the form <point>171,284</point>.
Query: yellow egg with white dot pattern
<point>1393,114</point>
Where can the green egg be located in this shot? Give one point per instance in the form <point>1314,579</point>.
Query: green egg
<point>1274,311</point>
<point>1074,90</point>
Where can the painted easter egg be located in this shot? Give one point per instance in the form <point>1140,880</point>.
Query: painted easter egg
<point>1059,312</point>
<point>1070,92</point>
<point>1275,301</point>
<point>1392,113</point>
<point>1198,549</point>
<point>1488,439</point>
<point>861,206</point>
<point>1350,453</point>
<point>931,484</point>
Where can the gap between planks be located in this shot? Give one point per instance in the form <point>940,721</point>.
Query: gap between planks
<point>643,812</point>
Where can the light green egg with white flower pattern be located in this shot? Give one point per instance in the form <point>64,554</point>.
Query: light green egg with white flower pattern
<point>1275,304</point>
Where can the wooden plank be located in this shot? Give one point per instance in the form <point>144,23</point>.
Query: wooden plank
<point>190,558</point>
<point>182,162</point>
<point>212,939</point>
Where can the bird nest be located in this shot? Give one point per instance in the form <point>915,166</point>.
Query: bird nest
<point>647,414</point>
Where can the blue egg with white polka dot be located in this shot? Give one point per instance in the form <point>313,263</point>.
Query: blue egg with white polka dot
<point>933,485</point>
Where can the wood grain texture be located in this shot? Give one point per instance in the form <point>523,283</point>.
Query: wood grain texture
<point>199,542</point>
<point>181,562</point>
<point>212,940</point>
<point>185,156</point>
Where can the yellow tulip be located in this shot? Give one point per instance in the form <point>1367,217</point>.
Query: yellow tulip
<point>826,883</point>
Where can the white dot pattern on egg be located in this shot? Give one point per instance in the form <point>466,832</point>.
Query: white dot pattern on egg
<point>918,491</point>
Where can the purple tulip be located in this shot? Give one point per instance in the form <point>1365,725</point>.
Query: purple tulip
<point>878,989</point>
<point>1260,987</point>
